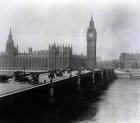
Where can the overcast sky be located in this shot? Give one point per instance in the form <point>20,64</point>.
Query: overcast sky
<point>36,23</point>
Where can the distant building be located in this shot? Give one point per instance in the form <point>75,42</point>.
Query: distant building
<point>78,61</point>
<point>12,59</point>
<point>109,64</point>
<point>57,57</point>
<point>91,45</point>
<point>129,60</point>
<point>30,50</point>
<point>61,57</point>
<point>11,50</point>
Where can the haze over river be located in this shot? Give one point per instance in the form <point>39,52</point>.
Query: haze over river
<point>119,104</point>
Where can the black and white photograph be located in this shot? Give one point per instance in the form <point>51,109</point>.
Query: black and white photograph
<point>69,61</point>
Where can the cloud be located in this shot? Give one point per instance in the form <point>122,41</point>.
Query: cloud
<point>38,23</point>
<point>119,30</point>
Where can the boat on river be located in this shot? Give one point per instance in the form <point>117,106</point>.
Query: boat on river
<point>127,73</point>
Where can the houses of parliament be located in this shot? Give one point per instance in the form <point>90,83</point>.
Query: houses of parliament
<point>56,57</point>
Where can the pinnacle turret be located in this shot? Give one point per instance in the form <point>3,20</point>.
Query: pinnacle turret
<point>10,36</point>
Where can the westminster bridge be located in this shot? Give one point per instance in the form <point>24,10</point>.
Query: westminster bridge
<point>66,95</point>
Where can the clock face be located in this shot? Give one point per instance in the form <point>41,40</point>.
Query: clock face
<point>90,35</point>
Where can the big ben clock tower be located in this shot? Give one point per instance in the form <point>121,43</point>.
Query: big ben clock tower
<point>91,45</point>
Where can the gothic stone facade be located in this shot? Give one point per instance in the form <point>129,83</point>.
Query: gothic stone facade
<point>58,57</point>
<point>61,57</point>
<point>13,60</point>
<point>91,45</point>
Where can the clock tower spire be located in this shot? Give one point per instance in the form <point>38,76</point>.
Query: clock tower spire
<point>91,44</point>
<point>91,22</point>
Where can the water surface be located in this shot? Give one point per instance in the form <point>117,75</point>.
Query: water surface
<point>119,104</point>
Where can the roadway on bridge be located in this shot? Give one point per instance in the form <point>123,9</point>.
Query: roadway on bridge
<point>13,87</point>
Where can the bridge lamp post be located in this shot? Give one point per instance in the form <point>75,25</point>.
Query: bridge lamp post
<point>79,79</point>
<point>51,76</point>
<point>93,75</point>
<point>83,69</point>
<point>24,70</point>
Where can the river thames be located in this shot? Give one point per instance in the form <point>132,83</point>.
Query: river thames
<point>119,104</point>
